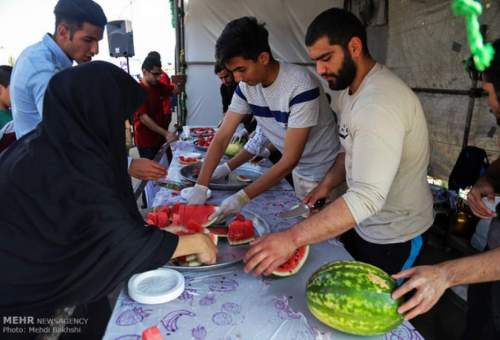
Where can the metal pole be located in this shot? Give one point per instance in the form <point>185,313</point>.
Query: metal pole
<point>468,119</point>
<point>128,66</point>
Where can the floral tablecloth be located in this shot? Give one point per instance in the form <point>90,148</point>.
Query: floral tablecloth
<point>228,304</point>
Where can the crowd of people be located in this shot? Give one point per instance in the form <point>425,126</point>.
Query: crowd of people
<point>70,228</point>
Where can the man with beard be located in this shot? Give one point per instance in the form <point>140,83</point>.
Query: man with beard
<point>291,111</point>
<point>430,282</point>
<point>388,204</point>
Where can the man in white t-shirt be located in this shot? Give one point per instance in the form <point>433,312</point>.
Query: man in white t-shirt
<point>382,127</point>
<point>291,110</point>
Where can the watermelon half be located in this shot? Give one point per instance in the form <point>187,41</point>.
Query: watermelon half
<point>294,263</point>
<point>353,297</point>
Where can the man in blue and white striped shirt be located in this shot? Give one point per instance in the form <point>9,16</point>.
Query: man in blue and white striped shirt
<point>291,110</point>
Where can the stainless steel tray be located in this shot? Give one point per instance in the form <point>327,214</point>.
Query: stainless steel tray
<point>229,183</point>
<point>226,254</point>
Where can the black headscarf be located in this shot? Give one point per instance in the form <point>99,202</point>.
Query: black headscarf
<point>70,230</point>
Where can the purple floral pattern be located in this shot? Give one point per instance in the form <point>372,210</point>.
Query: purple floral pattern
<point>231,307</point>
<point>132,316</point>
<point>221,283</point>
<point>222,319</point>
<point>403,333</point>
<point>207,300</point>
<point>199,332</point>
<point>170,320</point>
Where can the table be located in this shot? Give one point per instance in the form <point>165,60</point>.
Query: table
<point>228,304</point>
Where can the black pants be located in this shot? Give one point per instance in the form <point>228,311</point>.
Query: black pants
<point>148,153</point>
<point>483,312</point>
<point>389,257</point>
<point>89,322</point>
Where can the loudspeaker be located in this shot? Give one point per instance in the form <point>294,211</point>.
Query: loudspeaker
<point>120,38</point>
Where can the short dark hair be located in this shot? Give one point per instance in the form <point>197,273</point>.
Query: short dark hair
<point>492,73</point>
<point>150,62</point>
<point>339,25</point>
<point>5,72</point>
<point>154,54</point>
<point>218,67</point>
<point>243,37</point>
<point>76,12</point>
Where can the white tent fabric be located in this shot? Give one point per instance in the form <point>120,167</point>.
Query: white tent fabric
<point>286,22</point>
<point>423,43</point>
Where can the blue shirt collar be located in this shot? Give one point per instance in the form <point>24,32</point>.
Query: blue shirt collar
<point>62,60</point>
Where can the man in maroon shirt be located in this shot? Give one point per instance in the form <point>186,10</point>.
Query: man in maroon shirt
<point>164,79</point>
<point>150,121</point>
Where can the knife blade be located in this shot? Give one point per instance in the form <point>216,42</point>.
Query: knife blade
<point>301,209</point>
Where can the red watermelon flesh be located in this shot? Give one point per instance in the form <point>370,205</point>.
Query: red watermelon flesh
<point>198,213</point>
<point>294,263</point>
<point>152,333</point>
<point>162,219</point>
<point>152,219</point>
<point>240,231</point>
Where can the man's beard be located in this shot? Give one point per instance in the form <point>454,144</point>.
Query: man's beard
<point>345,75</point>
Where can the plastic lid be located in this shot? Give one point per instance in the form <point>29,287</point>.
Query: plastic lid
<point>156,286</point>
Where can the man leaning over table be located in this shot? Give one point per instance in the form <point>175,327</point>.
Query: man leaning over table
<point>388,204</point>
<point>428,283</point>
<point>290,110</point>
<point>79,28</point>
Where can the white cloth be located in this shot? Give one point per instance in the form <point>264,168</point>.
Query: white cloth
<point>294,100</point>
<point>384,134</point>
<point>257,143</point>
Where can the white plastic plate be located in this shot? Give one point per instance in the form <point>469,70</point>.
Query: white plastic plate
<point>156,286</point>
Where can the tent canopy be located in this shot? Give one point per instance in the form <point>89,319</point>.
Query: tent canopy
<point>421,41</point>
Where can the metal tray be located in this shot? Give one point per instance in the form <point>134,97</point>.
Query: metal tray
<point>228,183</point>
<point>226,254</point>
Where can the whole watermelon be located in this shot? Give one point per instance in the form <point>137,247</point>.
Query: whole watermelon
<point>353,297</point>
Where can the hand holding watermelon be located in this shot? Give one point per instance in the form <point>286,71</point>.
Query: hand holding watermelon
<point>268,252</point>
<point>430,283</point>
<point>198,244</point>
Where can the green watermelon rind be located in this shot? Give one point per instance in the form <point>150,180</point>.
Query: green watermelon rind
<point>342,299</point>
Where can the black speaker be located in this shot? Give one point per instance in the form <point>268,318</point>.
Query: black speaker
<point>120,38</point>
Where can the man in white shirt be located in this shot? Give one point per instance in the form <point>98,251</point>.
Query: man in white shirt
<point>388,204</point>
<point>291,111</point>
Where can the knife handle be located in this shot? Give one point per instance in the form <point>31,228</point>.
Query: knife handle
<point>319,203</point>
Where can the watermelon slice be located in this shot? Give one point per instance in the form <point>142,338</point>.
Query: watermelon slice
<point>152,333</point>
<point>219,231</point>
<point>198,214</point>
<point>240,231</point>
<point>152,219</point>
<point>159,217</point>
<point>294,263</point>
